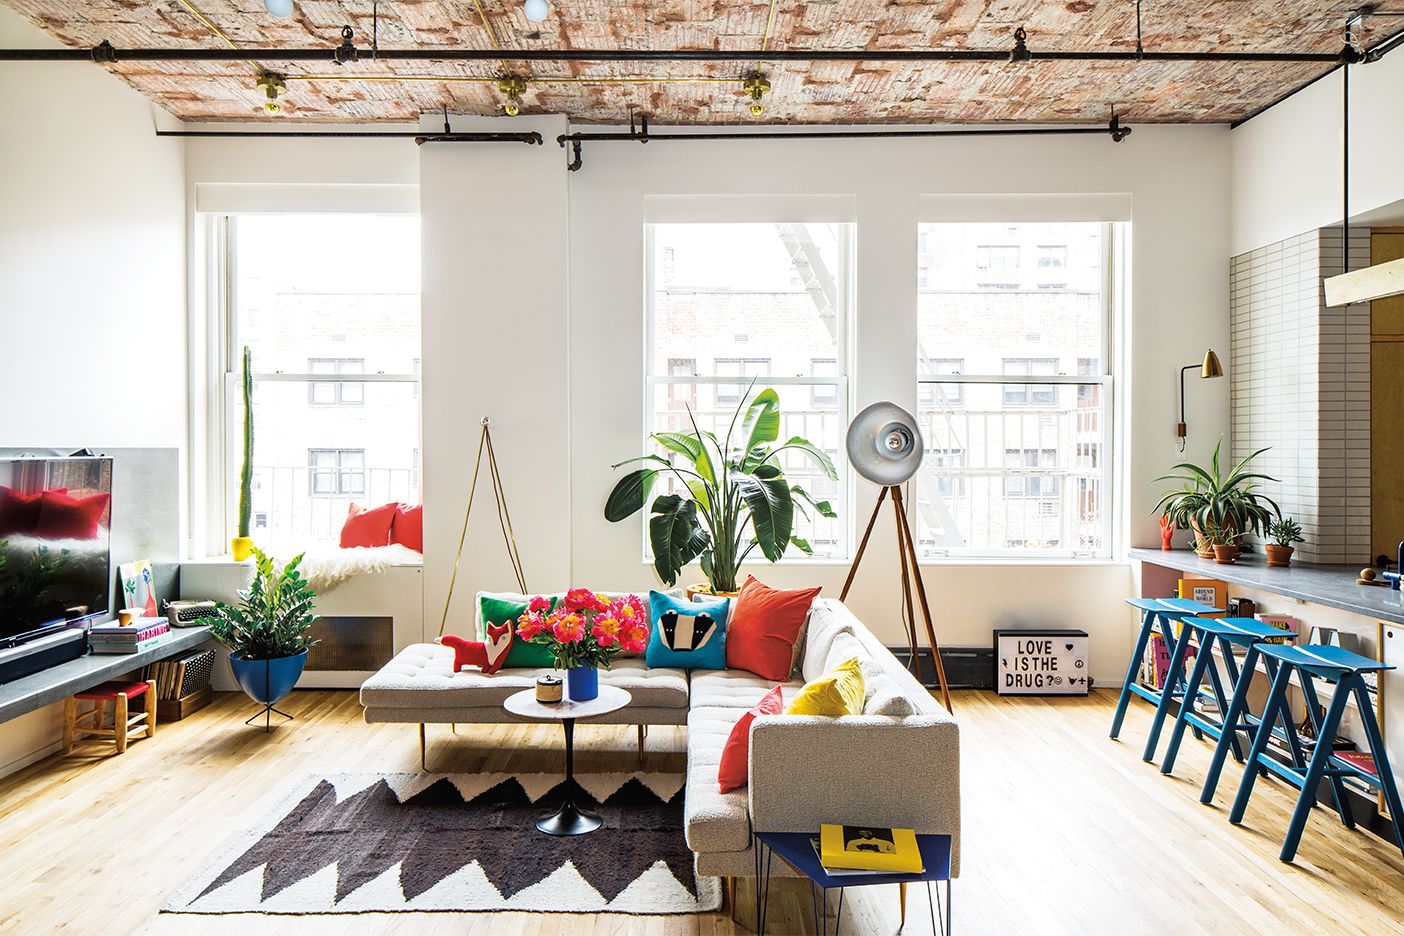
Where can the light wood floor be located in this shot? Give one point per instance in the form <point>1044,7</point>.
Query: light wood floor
<point>1065,831</point>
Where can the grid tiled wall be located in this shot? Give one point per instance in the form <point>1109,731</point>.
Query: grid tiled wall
<point>1300,386</point>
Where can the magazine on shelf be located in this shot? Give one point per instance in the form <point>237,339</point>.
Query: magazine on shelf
<point>893,851</point>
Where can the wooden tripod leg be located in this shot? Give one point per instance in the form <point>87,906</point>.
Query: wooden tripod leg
<point>913,662</point>
<point>858,556</point>
<point>905,534</point>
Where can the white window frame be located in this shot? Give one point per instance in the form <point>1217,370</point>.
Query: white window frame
<point>843,325</point>
<point>1116,258</point>
<point>225,365</point>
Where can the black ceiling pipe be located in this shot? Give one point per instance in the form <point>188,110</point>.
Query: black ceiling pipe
<point>106,53</point>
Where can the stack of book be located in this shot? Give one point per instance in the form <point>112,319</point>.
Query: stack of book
<point>180,677</point>
<point>850,850</point>
<point>140,635</point>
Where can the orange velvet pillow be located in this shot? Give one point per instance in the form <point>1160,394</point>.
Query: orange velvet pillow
<point>760,636</point>
<point>736,755</point>
<point>408,527</point>
<point>368,527</point>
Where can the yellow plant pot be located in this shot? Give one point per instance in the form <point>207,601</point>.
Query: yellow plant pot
<point>241,547</point>
<point>705,588</point>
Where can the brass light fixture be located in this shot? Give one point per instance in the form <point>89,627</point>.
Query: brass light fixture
<point>756,85</point>
<point>1209,368</point>
<point>272,85</point>
<point>514,87</point>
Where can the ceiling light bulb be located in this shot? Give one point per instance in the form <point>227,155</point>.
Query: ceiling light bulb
<point>757,110</point>
<point>536,10</point>
<point>279,8</point>
<point>511,108</point>
<point>273,108</point>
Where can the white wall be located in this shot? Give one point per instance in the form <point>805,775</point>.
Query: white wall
<point>1286,162</point>
<point>92,277</point>
<point>557,360</point>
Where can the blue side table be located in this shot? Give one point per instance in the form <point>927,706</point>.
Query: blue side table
<point>797,850</point>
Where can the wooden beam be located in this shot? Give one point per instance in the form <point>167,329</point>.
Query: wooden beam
<point>1373,282</point>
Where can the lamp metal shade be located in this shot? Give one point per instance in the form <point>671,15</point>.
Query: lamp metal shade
<point>884,444</point>
<point>1211,366</point>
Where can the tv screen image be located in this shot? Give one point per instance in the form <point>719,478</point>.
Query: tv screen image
<point>55,539</point>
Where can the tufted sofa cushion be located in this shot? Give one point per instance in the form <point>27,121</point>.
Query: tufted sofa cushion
<point>824,626</point>
<point>715,821</point>
<point>423,670</point>
<point>737,689</point>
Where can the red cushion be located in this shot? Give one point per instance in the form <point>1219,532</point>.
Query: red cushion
<point>368,527</point>
<point>760,635</point>
<point>736,755</point>
<point>63,517</point>
<point>109,690</point>
<point>19,513</point>
<point>408,527</point>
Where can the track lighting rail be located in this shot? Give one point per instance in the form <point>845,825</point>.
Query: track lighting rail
<point>642,135</point>
<point>106,53</point>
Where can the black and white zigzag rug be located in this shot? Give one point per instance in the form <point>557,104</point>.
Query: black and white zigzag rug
<point>370,843</point>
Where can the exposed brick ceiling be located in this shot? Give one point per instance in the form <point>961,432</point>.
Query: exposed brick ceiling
<point>819,93</point>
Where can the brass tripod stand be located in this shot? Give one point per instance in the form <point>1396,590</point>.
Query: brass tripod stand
<point>906,549</point>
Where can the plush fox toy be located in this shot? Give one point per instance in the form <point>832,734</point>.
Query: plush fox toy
<point>487,655</point>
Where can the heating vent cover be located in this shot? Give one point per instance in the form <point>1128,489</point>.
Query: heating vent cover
<point>355,644</point>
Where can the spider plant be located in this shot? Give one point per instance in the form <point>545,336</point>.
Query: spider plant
<point>1212,499</point>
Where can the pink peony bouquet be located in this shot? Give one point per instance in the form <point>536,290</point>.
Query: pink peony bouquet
<point>585,628</point>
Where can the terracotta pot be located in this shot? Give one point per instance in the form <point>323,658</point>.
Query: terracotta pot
<point>1225,554</point>
<point>1279,555</point>
<point>705,588</point>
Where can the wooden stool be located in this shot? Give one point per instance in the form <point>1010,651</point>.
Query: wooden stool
<point>94,721</point>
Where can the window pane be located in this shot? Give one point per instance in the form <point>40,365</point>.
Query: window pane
<point>990,294</point>
<point>312,461</point>
<point>993,476</point>
<point>723,291</point>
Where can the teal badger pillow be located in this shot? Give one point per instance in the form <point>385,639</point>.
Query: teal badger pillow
<point>687,635</point>
<point>522,654</point>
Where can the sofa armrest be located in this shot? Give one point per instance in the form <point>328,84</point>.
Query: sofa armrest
<point>856,770</point>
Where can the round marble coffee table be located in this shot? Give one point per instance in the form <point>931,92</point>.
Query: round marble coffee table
<point>570,819</point>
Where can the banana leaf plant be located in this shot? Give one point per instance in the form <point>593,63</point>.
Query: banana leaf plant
<point>738,497</point>
<point>1211,501</point>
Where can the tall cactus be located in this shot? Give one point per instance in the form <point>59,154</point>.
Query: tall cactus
<point>246,473</point>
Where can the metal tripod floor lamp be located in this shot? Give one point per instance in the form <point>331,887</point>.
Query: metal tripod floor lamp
<point>885,447</point>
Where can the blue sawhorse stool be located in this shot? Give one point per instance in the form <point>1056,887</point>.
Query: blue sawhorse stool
<point>1170,610</point>
<point>1154,612</point>
<point>1342,668</point>
<point>1230,633</point>
<point>1238,715</point>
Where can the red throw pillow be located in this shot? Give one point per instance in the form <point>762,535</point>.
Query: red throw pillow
<point>19,513</point>
<point>368,527</point>
<point>760,635</point>
<point>736,755</point>
<point>63,517</point>
<point>408,527</point>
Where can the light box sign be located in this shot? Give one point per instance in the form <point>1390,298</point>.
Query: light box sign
<point>1040,662</point>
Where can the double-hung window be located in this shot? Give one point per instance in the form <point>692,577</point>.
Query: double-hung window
<point>725,321</point>
<point>328,305</point>
<point>1013,390</point>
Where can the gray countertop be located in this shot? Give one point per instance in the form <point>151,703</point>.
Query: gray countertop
<point>1330,585</point>
<point>58,682</point>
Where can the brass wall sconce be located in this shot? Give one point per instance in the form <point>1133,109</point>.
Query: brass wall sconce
<point>1209,368</point>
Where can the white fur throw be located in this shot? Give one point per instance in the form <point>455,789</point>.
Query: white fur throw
<point>326,566</point>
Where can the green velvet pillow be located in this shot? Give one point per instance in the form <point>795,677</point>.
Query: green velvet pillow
<point>521,653</point>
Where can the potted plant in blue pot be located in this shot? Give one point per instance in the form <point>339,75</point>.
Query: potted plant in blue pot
<point>267,633</point>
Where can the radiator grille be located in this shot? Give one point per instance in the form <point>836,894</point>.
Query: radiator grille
<point>356,644</point>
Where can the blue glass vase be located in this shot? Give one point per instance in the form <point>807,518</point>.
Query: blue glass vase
<point>583,683</point>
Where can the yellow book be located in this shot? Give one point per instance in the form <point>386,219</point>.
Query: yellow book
<point>891,850</point>
<point>1207,592</point>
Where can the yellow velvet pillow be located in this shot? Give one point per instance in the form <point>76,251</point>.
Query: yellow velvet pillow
<point>837,692</point>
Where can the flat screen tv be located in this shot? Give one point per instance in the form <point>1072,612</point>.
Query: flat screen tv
<point>55,540</point>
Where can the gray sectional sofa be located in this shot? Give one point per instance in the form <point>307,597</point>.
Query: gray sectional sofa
<point>897,764</point>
